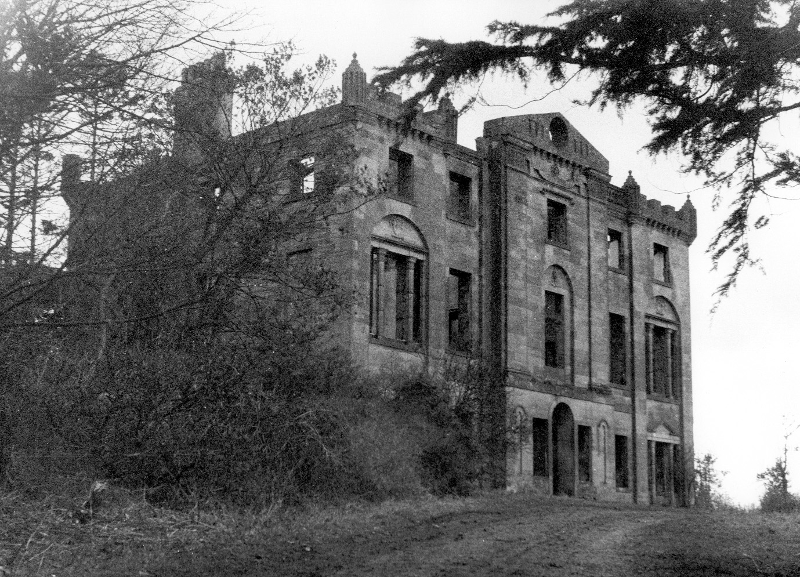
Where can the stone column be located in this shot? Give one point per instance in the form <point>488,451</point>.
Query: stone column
<point>651,451</point>
<point>670,385</point>
<point>423,303</point>
<point>409,328</point>
<point>380,312</point>
<point>671,478</point>
<point>648,358</point>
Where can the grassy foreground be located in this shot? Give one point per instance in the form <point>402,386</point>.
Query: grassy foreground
<point>496,533</point>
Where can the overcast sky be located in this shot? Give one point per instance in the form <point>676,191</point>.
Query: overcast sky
<point>746,358</point>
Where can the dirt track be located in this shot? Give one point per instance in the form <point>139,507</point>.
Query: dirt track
<point>521,536</point>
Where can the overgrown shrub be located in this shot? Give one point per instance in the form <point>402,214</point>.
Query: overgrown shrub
<point>448,459</point>
<point>777,498</point>
<point>233,420</point>
<point>777,502</point>
<point>257,417</point>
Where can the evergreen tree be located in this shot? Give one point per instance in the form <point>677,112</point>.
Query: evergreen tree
<point>707,482</point>
<point>713,74</point>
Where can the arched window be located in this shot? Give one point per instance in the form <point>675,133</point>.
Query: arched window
<point>397,303</point>
<point>558,321</point>
<point>663,350</point>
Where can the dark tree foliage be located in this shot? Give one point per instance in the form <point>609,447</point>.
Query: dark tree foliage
<point>712,73</point>
<point>707,482</point>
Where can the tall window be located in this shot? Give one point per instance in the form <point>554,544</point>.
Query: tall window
<point>661,271</point>
<point>458,310</point>
<point>556,222</point>
<point>584,454</point>
<point>554,333</point>
<point>615,259</point>
<point>621,460</point>
<point>401,174</point>
<point>540,443</point>
<point>458,201</point>
<point>397,282</point>
<point>617,349</point>
<point>663,360</point>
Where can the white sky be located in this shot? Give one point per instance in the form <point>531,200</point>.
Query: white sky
<point>746,358</point>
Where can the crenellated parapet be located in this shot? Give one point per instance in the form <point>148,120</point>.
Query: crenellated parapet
<point>389,107</point>
<point>681,223</point>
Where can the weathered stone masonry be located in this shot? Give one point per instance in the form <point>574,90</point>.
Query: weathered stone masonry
<point>521,252</point>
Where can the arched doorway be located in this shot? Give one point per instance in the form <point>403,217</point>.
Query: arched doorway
<point>563,451</point>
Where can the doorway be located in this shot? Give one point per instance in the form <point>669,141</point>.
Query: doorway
<point>563,451</point>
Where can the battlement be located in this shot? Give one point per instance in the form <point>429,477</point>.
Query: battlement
<point>441,123</point>
<point>681,222</point>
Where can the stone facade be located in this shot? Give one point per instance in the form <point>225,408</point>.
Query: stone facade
<point>521,253</point>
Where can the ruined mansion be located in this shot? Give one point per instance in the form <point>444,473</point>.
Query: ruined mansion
<point>523,254</point>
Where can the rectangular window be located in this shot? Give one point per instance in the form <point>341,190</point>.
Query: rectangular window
<point>395,296</point>
<point>302,176</point>
<point>557,222</point>
<point>554,330</point>
<point>661,270</point>
<point>540,441</point>
<point>401,174</point>
<point>458,310</point>
<point>584,454</point>
<point>615,259</point>
<point>458,201</point>
<point>617,349</point>
<point>621,460</point>
<point>662,360</point>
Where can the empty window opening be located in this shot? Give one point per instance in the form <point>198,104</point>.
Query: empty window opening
<point>302,177</point>
<point>554,333</point>
<point>396,301</point>
<point>540,442</point>
<point>661,270</point>
<point>556,222</point>
<point>584,454</point>
<point>458,308</point>
<point>401,174</point>
<point>617,349</point>
<point>615,249</point>
<point>307,165</point>
<point>662,360</point>
<point>621,461</point>
<point>458,201</point>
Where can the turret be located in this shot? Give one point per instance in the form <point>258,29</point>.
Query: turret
<point>203,107</point>
<point>354,83</point>
<point>688,214</point>
<point>449,116</point>
<point>633,193</point>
